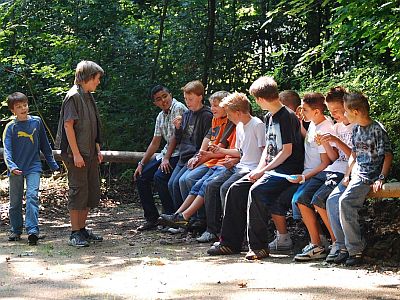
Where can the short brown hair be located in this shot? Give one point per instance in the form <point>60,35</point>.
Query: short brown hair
<point>87,70</point>
<point>315,101</point>
<point>264,87</point>
<point>357,101</point>
<point>195,87</point>
<point>218,96</point>
<point>236,102</point>
<point>15,98</point>
<point>290,98</point>
<point>336,94</point>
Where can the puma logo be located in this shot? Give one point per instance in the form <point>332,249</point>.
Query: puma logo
<point>24,134</point>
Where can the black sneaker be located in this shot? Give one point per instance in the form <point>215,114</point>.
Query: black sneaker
<point>32,239</point>
<point>148,226</point>
<point>175,220</point>
<point>77,240</point>
<point>13,237</point>
<point>342,257</point>
<point>354,260</point>
<point>90,236</point>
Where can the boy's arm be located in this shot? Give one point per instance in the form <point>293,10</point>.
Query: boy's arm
<point>7,140</point>
<point>165,165</point>
<point>325,161</point>
<point>351,162</point>
<point>151,149</point>
<point>327,137</point>
<point>71,137</point>
<point>387,163</point>
<point>46,148</point>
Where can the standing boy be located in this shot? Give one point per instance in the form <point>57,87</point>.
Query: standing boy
<point>78,138</point>
<point>24,138</point>
<point>159,169</point>
<point>369,164</point>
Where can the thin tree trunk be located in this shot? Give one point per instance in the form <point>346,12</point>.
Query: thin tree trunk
<point>262,35</point>
<point>210,39</point>
<point>314,36</point>
<point>159,40</point>
<point>231,74</point>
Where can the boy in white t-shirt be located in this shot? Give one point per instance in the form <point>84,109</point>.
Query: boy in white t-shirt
<point>314,195</point>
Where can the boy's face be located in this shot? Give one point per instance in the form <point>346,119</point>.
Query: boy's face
<point>218,111</point>
<point>91,85</point>
<point>233,115</point>
<point>337,111</point>
<point>20,110</point>
<point>162,100</point>
<point>351,114</point>
<point>193,101</point>
<point>309,114</point>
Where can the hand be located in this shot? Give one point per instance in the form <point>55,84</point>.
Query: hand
<point>177,122</point>
<point>191,162</point>
<point>205,155</point>
<point>99,157</point>
<point>138,172</point>
<point>295,178</point>
<point>165,166</point>
<point>377,186</point>
<point>327,137</point>
<point>16,172</point>
<point>214,148</point>
<point>255,175</point>
<point>230,162</point>
<point>346,180</point>
<point>78,161</point>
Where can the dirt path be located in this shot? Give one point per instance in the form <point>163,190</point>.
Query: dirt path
<point>133,265</point>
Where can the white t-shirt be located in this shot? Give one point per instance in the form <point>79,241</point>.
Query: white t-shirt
<point>312,151</point>
<point>250,140</point>
<point>344,133</point>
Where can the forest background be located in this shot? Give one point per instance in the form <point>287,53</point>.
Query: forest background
<point>305,45</point>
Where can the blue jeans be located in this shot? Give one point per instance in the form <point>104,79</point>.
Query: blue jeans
<point>150,173</point>
<point>190,178</point>
<point>32,203</point>
<point>332,209</point>
<point>199,189</point>
<point>173,185</point>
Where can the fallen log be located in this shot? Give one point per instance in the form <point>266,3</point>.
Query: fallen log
<point>389,190</point>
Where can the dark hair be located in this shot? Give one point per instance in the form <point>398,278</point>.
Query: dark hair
<point>264,87</point>
<point>15,98</point>
<point>158,88</point>
<point>290,98</point>
<point>315,101</point>
<point>336,94</point>
<point>357,101</point>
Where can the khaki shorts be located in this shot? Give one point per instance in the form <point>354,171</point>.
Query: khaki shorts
<point>84,185</point>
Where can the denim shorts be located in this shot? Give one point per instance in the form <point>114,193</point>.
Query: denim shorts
<point>318,188</point>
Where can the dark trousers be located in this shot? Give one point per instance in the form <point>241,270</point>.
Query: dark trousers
<point>150,173</point>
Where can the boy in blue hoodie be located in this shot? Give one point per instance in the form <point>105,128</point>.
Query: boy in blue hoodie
<point>24,137</point>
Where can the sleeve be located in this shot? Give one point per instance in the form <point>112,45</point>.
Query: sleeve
<point>206,124</point>
<point>229,128</point>
<point>179,132</point>
<point>383,145</point>
<point>260,132</point>
<point>287,129</point>
<point>70,112</point>
<point>353,138</point>
<point>46,148</point>
<point>209,133</point>
<point>157,126</point>
<point>7,142</point>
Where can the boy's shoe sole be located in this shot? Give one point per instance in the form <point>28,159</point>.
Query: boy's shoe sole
<point>257,254</point>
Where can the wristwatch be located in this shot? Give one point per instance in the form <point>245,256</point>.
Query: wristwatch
<point>140,163</point>
<point>381,177</point>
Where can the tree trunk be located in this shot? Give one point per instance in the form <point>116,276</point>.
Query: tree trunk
<point>314,35</point>
<point>209,53</point>
<point>159,40</point>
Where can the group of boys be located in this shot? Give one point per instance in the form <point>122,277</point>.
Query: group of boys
<point>228,171</point>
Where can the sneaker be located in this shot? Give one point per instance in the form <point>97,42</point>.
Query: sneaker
<point>32,239</point>
<point>207,237</point>
<point>281,244</point>
<point>149,225</point>
<point>354,260</point>
<point>221,250</point>
<point>342,257</point>
<point>333,253</point>
<point>90,236</point>
<point>175,220</point>
<point>172,230</point>
<point>311,252</point>
<point>257,254</point>
<point>77,240</point>
<point>13,237</point>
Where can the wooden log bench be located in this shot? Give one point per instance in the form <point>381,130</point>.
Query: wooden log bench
<point>389,190</point>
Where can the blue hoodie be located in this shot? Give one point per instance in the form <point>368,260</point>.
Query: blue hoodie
<point>23,141</point>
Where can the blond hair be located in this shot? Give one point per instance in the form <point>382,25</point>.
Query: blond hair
<point>87,70</point>
<point>236,102</point>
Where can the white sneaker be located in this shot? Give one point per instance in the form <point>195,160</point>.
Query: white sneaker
<point>207,237</point>
<point>176,230</point>
<point>281,244</point>
<point>311,252</point>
